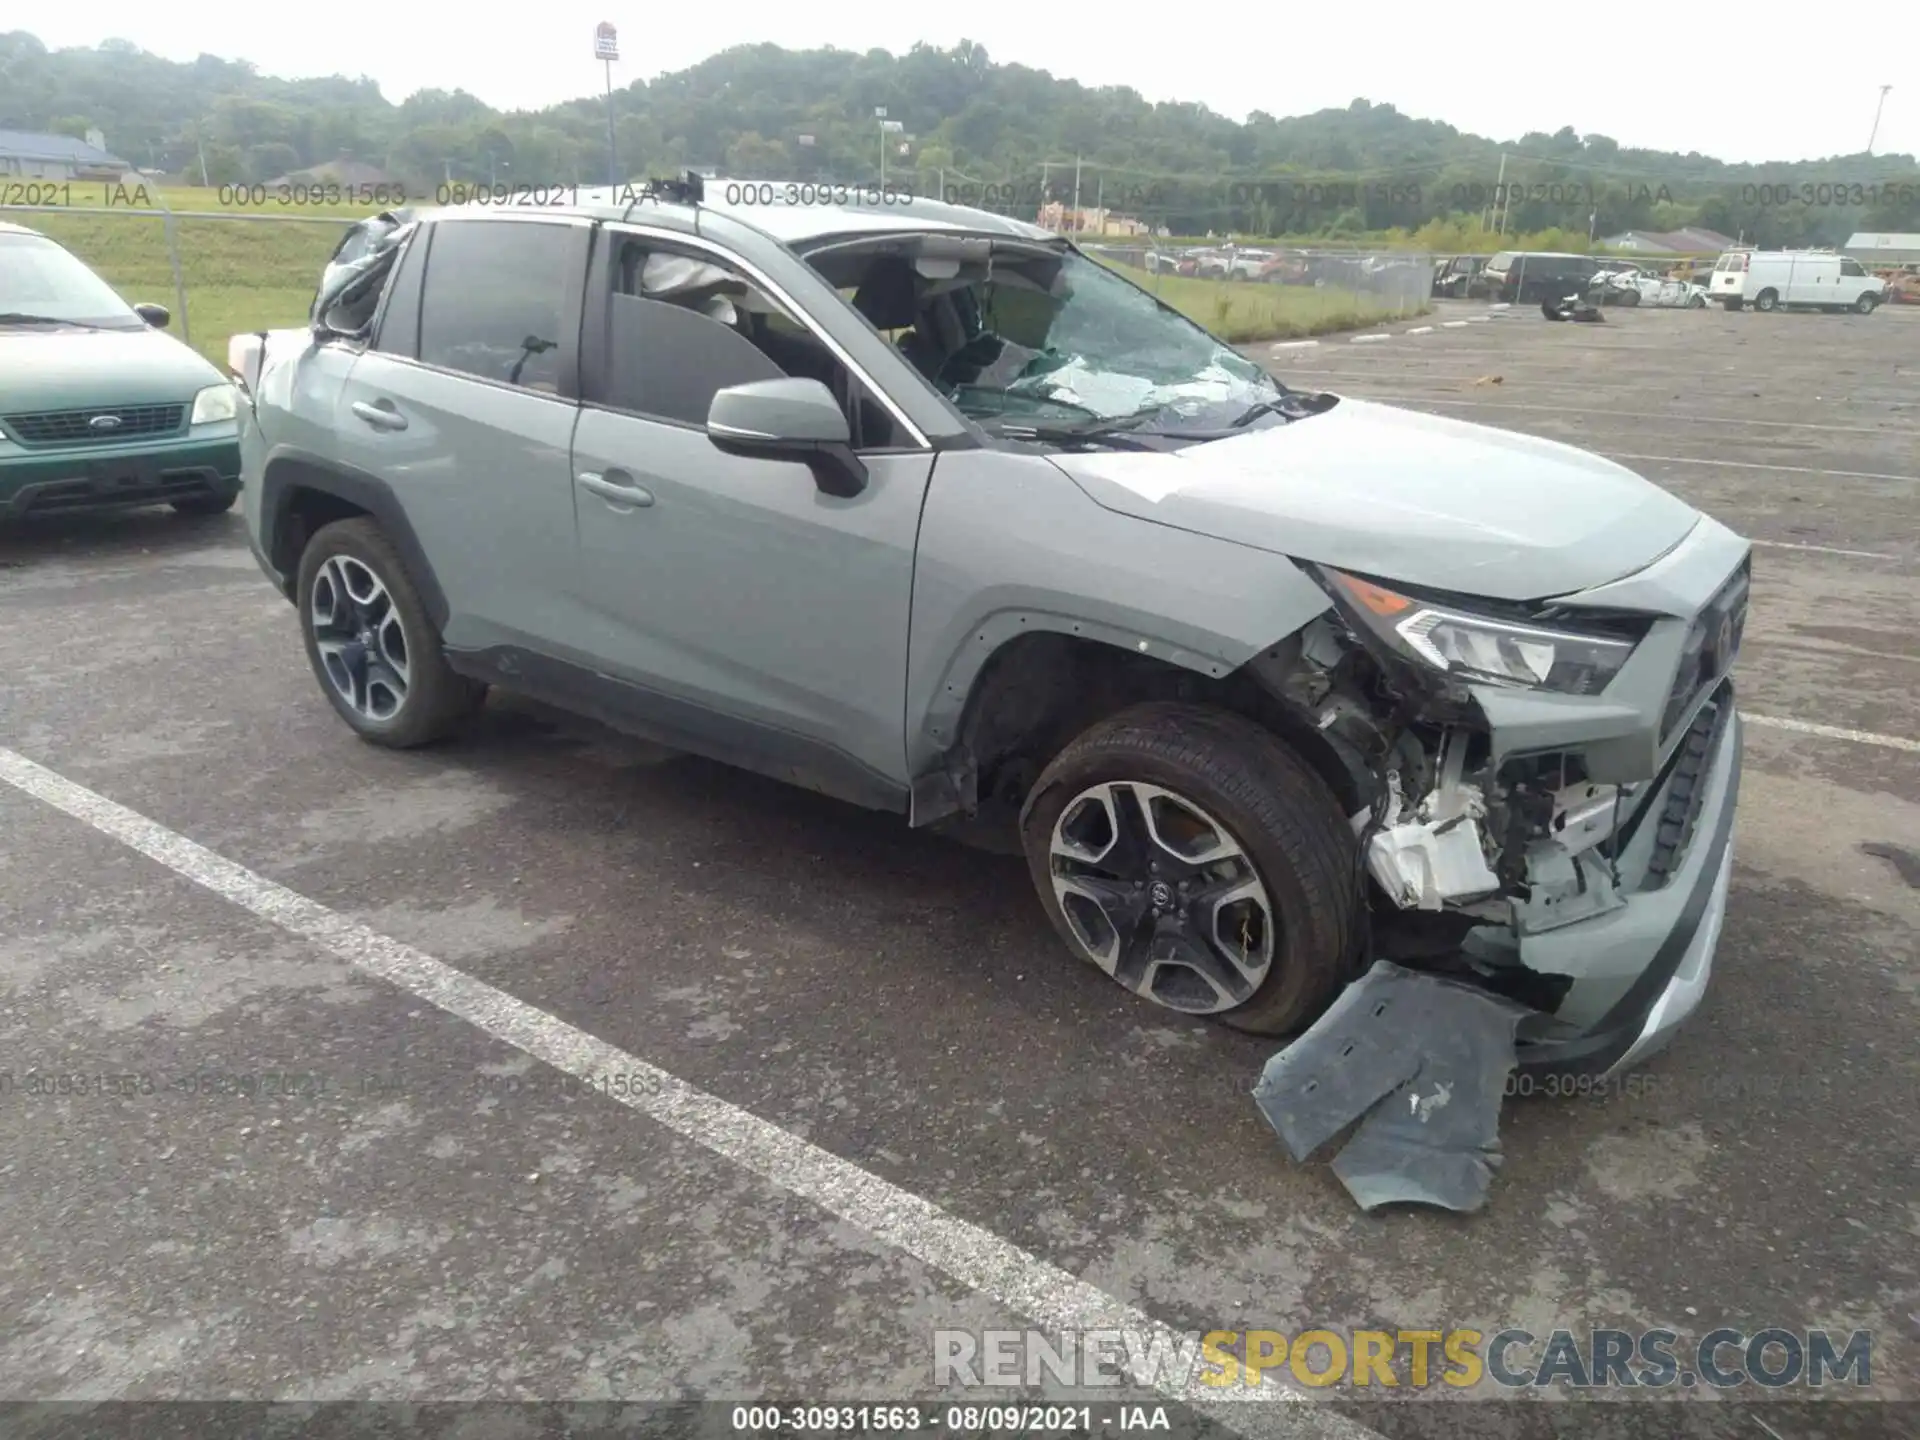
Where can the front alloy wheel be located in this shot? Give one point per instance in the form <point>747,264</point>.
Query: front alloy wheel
<point>1160,895</point>
<point>360,637</point>
<point>1193,857</point>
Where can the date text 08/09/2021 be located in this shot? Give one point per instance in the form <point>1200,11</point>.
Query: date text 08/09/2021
<point>950,1419</point>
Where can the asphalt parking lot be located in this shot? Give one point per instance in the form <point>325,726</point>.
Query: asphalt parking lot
<point>420,1209</point>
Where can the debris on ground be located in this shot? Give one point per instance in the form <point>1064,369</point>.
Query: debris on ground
<point>1491,380</point>
<point>1901,858</point>
<point>1572,308</point>
<point>1425,1060</point>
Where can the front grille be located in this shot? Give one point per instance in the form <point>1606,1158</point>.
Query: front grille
<point>1686,794</point>
<point>103,425</point>
<point>1711,647</point>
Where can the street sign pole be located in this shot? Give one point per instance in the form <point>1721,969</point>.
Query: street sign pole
<point>606,46</point>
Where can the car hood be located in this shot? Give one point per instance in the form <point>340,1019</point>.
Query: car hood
<point>72,369</point>
<point>1406,496</point>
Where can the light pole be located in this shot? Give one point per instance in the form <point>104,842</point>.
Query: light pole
<point>606,47</point>
<point>1876,117</point>
<point>887,127</point>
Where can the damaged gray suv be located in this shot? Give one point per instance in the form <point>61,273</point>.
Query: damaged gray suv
<point>926,509</point>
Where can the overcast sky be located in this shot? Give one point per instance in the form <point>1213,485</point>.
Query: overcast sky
<point>1773,101</point>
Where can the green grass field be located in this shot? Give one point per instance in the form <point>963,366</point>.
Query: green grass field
<point>1242,311</point>
<point>256,274</point>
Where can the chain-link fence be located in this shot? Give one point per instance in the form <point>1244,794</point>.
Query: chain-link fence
<point>219,273</point>
<point>1243,292</point>
<point>227,272</point>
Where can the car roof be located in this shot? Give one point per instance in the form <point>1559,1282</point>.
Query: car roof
<point>802,213</point>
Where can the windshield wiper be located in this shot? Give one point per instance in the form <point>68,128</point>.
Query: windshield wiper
<point>20,317</point>
<point>1115,436</point>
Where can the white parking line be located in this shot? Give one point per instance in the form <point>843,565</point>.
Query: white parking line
<point>1021,1282</point>
<point>1296,344</point>
<point>1833,732</point>
<point>1451,324</point>
<point>1756,465</point>
<point>1365,339</point>
<point>1421,330</point>
<point>1827,550</point>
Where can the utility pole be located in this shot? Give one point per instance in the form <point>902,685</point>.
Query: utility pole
<point>887,127</point>
<point>606,48</point>
<point>1077,223</point>
<point>1876,117</point>
<point>1500,194</point>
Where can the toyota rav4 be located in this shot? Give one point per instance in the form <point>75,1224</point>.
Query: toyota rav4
<point>926,509</point>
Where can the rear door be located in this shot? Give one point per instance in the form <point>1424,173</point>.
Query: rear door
<point>465,413</point>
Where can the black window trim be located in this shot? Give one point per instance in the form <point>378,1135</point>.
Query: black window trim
<point>569,390</point>
<point>599,283</point>
<point>421,238</point>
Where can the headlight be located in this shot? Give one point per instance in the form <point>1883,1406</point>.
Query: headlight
<point>1482,648</point>
<point>216,402</point>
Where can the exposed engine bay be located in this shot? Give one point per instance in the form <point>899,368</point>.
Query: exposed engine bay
<point>1472,852</point>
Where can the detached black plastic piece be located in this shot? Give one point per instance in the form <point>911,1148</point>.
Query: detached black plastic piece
<point>1425,1060</point>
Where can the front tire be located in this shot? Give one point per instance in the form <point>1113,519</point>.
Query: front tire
<point>373,649</point>
<point>1193,858</point>
<point>1866,304</point>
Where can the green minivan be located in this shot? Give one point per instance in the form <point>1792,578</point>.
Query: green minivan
<point>99,408</point>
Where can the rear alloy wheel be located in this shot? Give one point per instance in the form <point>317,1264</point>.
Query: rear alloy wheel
<point>1193,859</point>
<point>376,654</point>
<point>1766,300</point>
<point>1866,303</point>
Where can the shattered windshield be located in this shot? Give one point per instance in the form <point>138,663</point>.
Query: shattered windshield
<point>1022,335</point>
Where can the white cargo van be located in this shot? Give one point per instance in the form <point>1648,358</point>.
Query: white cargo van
<point>1774,279</point>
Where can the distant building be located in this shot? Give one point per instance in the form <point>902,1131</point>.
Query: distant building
<point>28,156</point>
<point>1690,241</point>
<point>1062,220</point>
<point>1871,249</point>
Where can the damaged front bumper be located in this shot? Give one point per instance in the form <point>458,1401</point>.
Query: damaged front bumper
<point>1568,852</point>
<point>1638,971</point>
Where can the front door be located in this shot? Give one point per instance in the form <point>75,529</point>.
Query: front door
<point>745,613</point>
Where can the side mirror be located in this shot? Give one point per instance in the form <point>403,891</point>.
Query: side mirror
<point>158,316</point>
<point>790,420</point>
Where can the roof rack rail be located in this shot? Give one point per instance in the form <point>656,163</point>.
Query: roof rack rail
<point>689,189</point>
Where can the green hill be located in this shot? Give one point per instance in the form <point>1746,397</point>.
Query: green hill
<point>1003,135</point>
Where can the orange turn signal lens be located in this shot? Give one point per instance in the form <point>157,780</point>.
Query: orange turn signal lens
<point>1375,598</point>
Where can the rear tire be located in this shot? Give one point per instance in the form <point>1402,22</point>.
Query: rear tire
<point>1735,304</point>
<point>377,656</point>
<point>204,504</point>
<point>1267,965</point>
<point>1766,300</point>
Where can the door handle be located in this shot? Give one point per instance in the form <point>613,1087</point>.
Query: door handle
<point>380,414</point>
<point>616,486</point>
